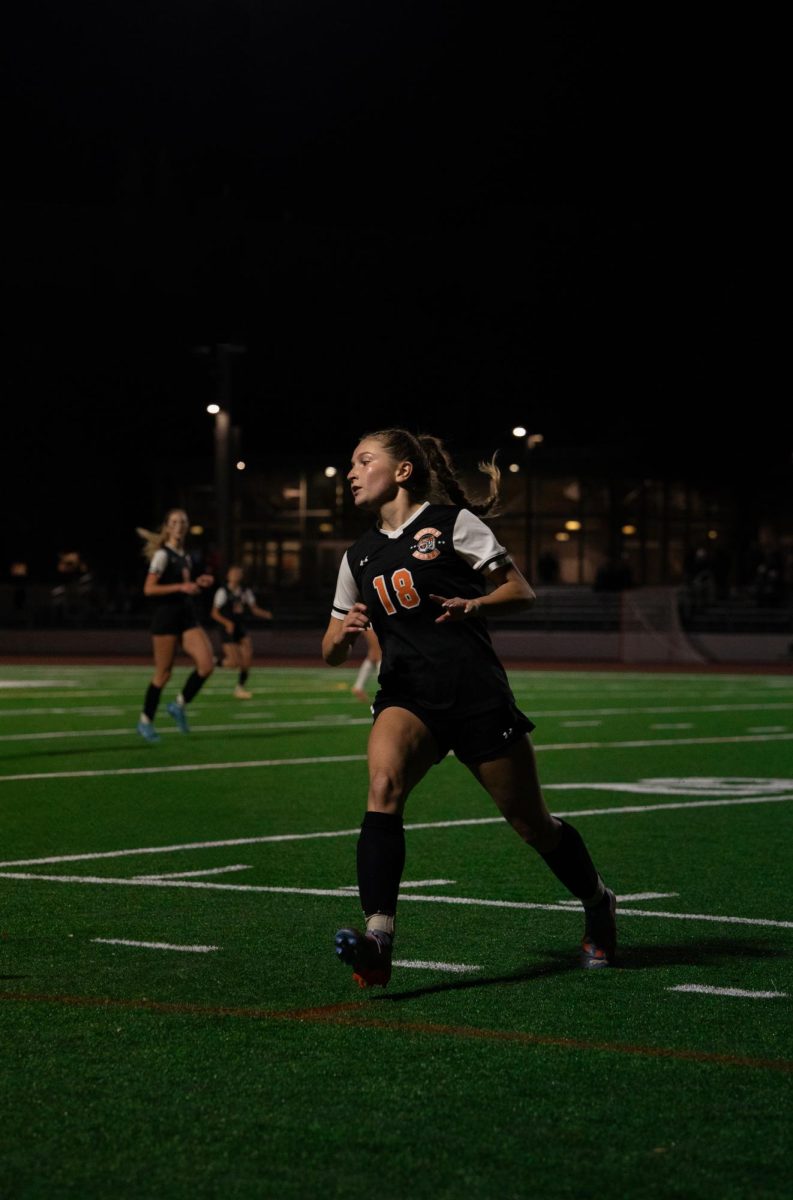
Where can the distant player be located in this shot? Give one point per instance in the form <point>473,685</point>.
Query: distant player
<point>424,577</point>
<point>174,621</point>
<point>231,606</point>
<point>370,666</point>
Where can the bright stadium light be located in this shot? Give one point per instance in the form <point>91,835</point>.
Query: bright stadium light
<point>514,468</point>
<point>330,472</point>
<point>240,465</point>
<point>519,431</point>
<point>629,530</point>
<point>573,526</point>
<point>214,409</point>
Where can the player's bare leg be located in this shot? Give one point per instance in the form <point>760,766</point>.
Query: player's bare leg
<point>244,650</point>
<point>164,645</point>
<point>198,646</point>
<point>513,782</point>
<point>401,751</point>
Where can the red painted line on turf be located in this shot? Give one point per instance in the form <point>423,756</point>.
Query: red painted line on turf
<point>350,1014</point>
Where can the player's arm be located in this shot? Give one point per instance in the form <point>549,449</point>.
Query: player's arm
<point>348,618</point>
<point>217,615</point>
<point>511,593</point>
<point>264,613</point>
<point>153,587</point>
<point>220,598</point>
<point>341,634</point>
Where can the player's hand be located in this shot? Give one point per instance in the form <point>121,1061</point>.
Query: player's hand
<point>455,608</point>
<point>190,588</point>
<point>356,621</point>
<point>205,581</point>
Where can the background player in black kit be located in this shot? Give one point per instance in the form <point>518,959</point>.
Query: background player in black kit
<point>229,608</point>
<point>424,578</point>
<point>174,620</point>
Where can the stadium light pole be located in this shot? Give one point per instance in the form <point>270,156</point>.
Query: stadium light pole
<point>528,441</point>
<point>224,353</point>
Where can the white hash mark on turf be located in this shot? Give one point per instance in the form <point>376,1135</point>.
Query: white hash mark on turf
<point>621,898</point>
<point>406,883</point>
<point>155,945</point>
<point>189,874</point>
<point>433,966</point>
<point>719,991</point>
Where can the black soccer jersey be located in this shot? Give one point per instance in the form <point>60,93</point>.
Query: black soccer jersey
<point>234,603</point>
<point>445,551</point>
<point>171,566</point>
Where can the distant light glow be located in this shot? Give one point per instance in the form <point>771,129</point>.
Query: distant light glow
<point>628,530</point>
<point>514,468</point>
<point>519,431</point>
<point>240,465</point>
<point>573,526</point>
<point>330,472</point>
<point>713,534</point>
<point>326,527</point>
<point>562,536</point>
<point>197,530</point>
<point>213,408</point>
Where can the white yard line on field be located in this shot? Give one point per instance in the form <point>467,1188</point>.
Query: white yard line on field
<point>720,991</point>
<point>335,833</point>
<point>155,945</point>
<point>409,897</point>
<point>280,762</point>
<point>316,723</point>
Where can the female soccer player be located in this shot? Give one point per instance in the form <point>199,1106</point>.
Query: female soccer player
<point>419,578</point>
<point>174,620</point>
<point>229,608</point>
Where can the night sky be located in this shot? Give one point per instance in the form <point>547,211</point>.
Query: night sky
<point>445,216</point>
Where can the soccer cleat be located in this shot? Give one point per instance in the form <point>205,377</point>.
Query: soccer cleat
<point>242,693</point>
<point>148,732</point>
<point>369,954</point>
<point>177,711</point>
<point>599,947</point>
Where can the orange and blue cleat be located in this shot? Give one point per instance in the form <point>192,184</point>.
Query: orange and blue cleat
<point>369,955</point>
<point>599,947</point>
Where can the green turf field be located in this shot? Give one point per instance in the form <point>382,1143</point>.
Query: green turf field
<point>175,1024</point>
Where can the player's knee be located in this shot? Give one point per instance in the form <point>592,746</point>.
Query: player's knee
<point>386,792</point>
<point>161,678</point>
<point>542,836</point>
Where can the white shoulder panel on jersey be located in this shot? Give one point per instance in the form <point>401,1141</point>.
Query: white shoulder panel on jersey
<point>159,561</point>
<point>248,597</point>
<point>221,597</point>
<point>347,592</point>
<point>477,544</point>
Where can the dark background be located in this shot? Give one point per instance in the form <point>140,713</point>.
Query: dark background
<point>447,216</point>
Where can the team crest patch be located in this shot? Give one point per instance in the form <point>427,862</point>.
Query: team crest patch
<point>427,544</point>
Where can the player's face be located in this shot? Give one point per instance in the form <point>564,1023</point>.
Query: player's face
<point>176,525</point>
<point>234,576</point>
<point>373,475</point>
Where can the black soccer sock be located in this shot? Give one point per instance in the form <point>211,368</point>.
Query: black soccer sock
<point>380,859</point>
<point>243,677</point>
<point>572,866</point>
<point>151,701</point>
<point>193,686</point>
